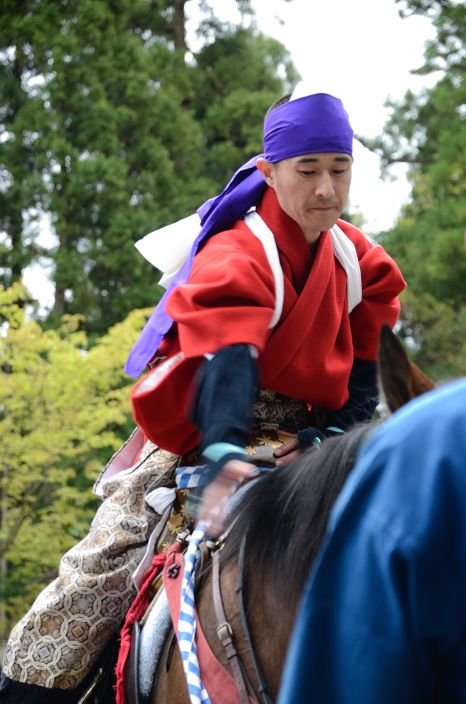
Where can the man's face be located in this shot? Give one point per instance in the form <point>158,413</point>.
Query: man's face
<point>312,189</point>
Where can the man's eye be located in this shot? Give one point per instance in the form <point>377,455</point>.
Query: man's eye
<point>307,173</point>
<point>337,172</point>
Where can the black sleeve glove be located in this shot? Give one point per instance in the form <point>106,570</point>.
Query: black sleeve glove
<point>226,389</point>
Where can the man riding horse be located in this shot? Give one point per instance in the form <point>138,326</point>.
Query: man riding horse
<point>275,312</point>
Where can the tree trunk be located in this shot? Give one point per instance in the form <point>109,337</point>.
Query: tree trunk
<point>179,29</point>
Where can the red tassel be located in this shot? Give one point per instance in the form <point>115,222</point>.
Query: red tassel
<point>135,612</point>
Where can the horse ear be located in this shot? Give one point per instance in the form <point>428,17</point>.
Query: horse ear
<point>401,380</point>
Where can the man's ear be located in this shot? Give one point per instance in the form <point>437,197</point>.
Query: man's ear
<point>266,169</point>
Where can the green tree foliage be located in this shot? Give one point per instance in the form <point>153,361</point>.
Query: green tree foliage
<point>114,129</point>
<point>241,77</point>
<point>428,132</point>
<point>438,333</point>
<point>22,118</point>
<point>64,410</point>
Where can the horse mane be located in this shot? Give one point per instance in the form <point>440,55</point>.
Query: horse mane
<point>284,514</point>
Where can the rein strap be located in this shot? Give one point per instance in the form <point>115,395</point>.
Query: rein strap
<point>225,633</point>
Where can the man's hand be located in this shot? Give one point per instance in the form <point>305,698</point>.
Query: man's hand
<point>216,494</point>
<point>287,453</point>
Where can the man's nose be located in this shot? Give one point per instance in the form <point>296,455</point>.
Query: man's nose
<point>324,186</point>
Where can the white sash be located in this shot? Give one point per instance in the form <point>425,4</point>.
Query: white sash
<point>345,252</point>
<point>263,233</point>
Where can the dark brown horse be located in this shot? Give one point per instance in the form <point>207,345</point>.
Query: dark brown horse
<point>272,539</point>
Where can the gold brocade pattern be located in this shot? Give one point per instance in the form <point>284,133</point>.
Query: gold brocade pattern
<point>274,412</point>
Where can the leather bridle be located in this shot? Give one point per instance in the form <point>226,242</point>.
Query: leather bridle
<point>225,632</point>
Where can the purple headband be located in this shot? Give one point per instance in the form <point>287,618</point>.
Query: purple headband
<point>309,125</point>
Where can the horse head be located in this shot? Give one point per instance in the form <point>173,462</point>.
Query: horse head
<point>400,379</point>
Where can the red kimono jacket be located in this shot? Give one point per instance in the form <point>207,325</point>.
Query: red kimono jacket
<point>230,299</point>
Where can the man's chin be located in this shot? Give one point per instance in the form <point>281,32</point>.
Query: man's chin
<point>325,219</point>
<point>327,223</point>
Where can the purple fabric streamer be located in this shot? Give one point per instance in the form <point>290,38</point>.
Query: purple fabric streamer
<point>217,214</point>
<point>313,124</point>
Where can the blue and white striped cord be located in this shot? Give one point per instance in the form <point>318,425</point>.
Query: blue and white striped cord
<point>188,477</point>
<point>187,618</point>
<point>191,477</point>
<point>187,621</point>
